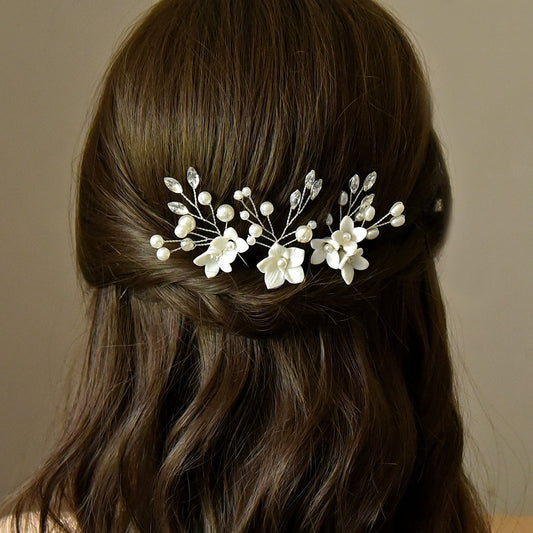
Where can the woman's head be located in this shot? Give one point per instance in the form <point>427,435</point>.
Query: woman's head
<point>214,404</point>
<point>258,93</point>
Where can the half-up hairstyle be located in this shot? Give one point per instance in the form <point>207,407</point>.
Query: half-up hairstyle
<point>216,405</point>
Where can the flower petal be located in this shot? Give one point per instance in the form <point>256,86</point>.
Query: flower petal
<point>224,264</point>
<point>349,247</point>
<point>333,243</point>
<point>267,264</point>
<point>219,243</point>
<point>242,245</point>
<point>202,259</point>
<point>230,233</point>
<point>274,278</point>
<point>346,224</point>
<point>337,237</point>
<point>276,250</point>
<point>347,273</point>
<point>228,255</point>
<point>294,274</point>
<point>359,263</point>
<point>318,256</point>
<point>333,259</point>
<point>344,258</point>
<point>316,244</point>
<point>296,256</point>
<point>359,233</point>
<point>211,269</point>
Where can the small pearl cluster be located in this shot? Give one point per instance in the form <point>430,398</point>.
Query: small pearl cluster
<point>365,212</point>
<point>187,223</point>
<point>340,249</point>
<point>265,230</point>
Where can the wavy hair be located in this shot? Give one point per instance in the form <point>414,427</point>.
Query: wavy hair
<point>215,405</point>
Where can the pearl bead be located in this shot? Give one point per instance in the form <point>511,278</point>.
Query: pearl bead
<point>328,248</point>
<point>225,213</point>
<point>181,231</point>
<point>266,208</point>
<point>163,254</point>
<point>397,209</point>
<point>244,215</point>
<point>230,245</point>
<point>250,240</point>
<point>246,191</point>
<point>188,222</point>
<point>369,213</point>
<point>312,224</point>
<point>397,221</point>
<point>372,233</point>
<point>347,236</point>
<point>156,241</point>
<point>303,234</point>
<point>282,263</point>
<point>343,198</point>
<point>255,230</point>
<point>187,244</point>
<point>214,256</point>
<point>204,198</point>
<point>238,195</point>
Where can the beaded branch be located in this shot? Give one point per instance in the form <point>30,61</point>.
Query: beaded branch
<point>209,228</point>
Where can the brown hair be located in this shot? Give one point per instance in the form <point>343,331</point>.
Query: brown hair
<point>215,404</point>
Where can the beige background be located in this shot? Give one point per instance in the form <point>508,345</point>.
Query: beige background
<point>479,58</point>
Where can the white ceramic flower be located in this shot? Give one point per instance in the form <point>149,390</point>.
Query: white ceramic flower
<point>327,249</point>
<point>348,235</point>
<point>221,253</point>
<point>349,263</point>
<point>282,264</point>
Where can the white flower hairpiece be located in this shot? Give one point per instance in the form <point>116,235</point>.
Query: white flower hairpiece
<point>283,263</point>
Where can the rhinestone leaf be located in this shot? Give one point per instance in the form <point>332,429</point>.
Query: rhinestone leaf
<point>192,177</point>
<point>173,185</point>
<point>178,208</point>
<point>310,179</point>
<point>354,183</point>
<point>315,189</point>
<point>367,201</point>
<point>295,198</point>
<point>369,181</point>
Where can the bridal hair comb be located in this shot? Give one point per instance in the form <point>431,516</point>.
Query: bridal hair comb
<point>199,226</point>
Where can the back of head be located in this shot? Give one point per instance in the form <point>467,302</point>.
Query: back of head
<point>256,94</point>
<point>215,404</point>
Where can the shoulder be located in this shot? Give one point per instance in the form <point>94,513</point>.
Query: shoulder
<point>512,524</point>
<point>30,524</point>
